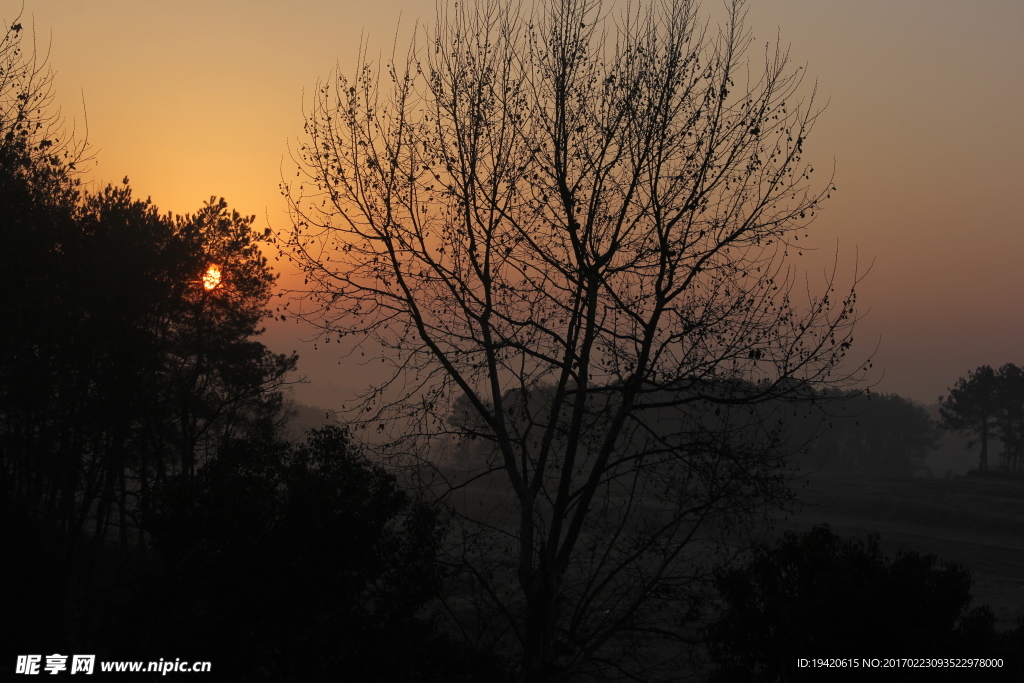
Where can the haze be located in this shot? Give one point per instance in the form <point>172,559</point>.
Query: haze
<point>923,127</point>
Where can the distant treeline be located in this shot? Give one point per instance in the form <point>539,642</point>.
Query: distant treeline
<point>853,431</point>
<point>881,434</point>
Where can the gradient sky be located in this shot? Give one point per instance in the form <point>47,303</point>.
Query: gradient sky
<point>924,127</point>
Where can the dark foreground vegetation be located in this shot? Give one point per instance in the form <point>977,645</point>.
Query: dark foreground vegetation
<point>152,507</point>
<point>276,562</point>
<point>816,595</point>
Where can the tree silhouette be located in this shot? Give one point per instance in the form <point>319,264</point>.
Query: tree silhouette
<point>39,194</point>
<point>579,228</point>
<point>147,498</point>
<point>118,367</point>
<point>971,407</point>
<point>35,145</point>
<point>135,368</point>
<point>1010,417</point>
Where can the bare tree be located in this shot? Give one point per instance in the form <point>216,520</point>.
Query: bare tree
<point>567,232</point>
<point>34,141</point>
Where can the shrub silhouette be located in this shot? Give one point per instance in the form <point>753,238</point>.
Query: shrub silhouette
<point>817,595</point>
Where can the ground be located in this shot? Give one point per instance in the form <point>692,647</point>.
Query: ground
<point>978,523</point>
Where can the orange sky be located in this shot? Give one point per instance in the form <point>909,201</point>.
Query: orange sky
<point>925,128</point>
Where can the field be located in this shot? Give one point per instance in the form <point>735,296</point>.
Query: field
<point>977,523</point>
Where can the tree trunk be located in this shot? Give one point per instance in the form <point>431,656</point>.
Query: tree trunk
<point>538,650</point>
<point>983,465</point>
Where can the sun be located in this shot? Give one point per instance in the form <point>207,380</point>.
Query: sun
<point>212,277</point>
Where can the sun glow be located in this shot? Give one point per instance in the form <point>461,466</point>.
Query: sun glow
<point>212,277</point>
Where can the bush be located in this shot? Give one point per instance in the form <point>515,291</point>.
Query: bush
<point>816,595</point>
